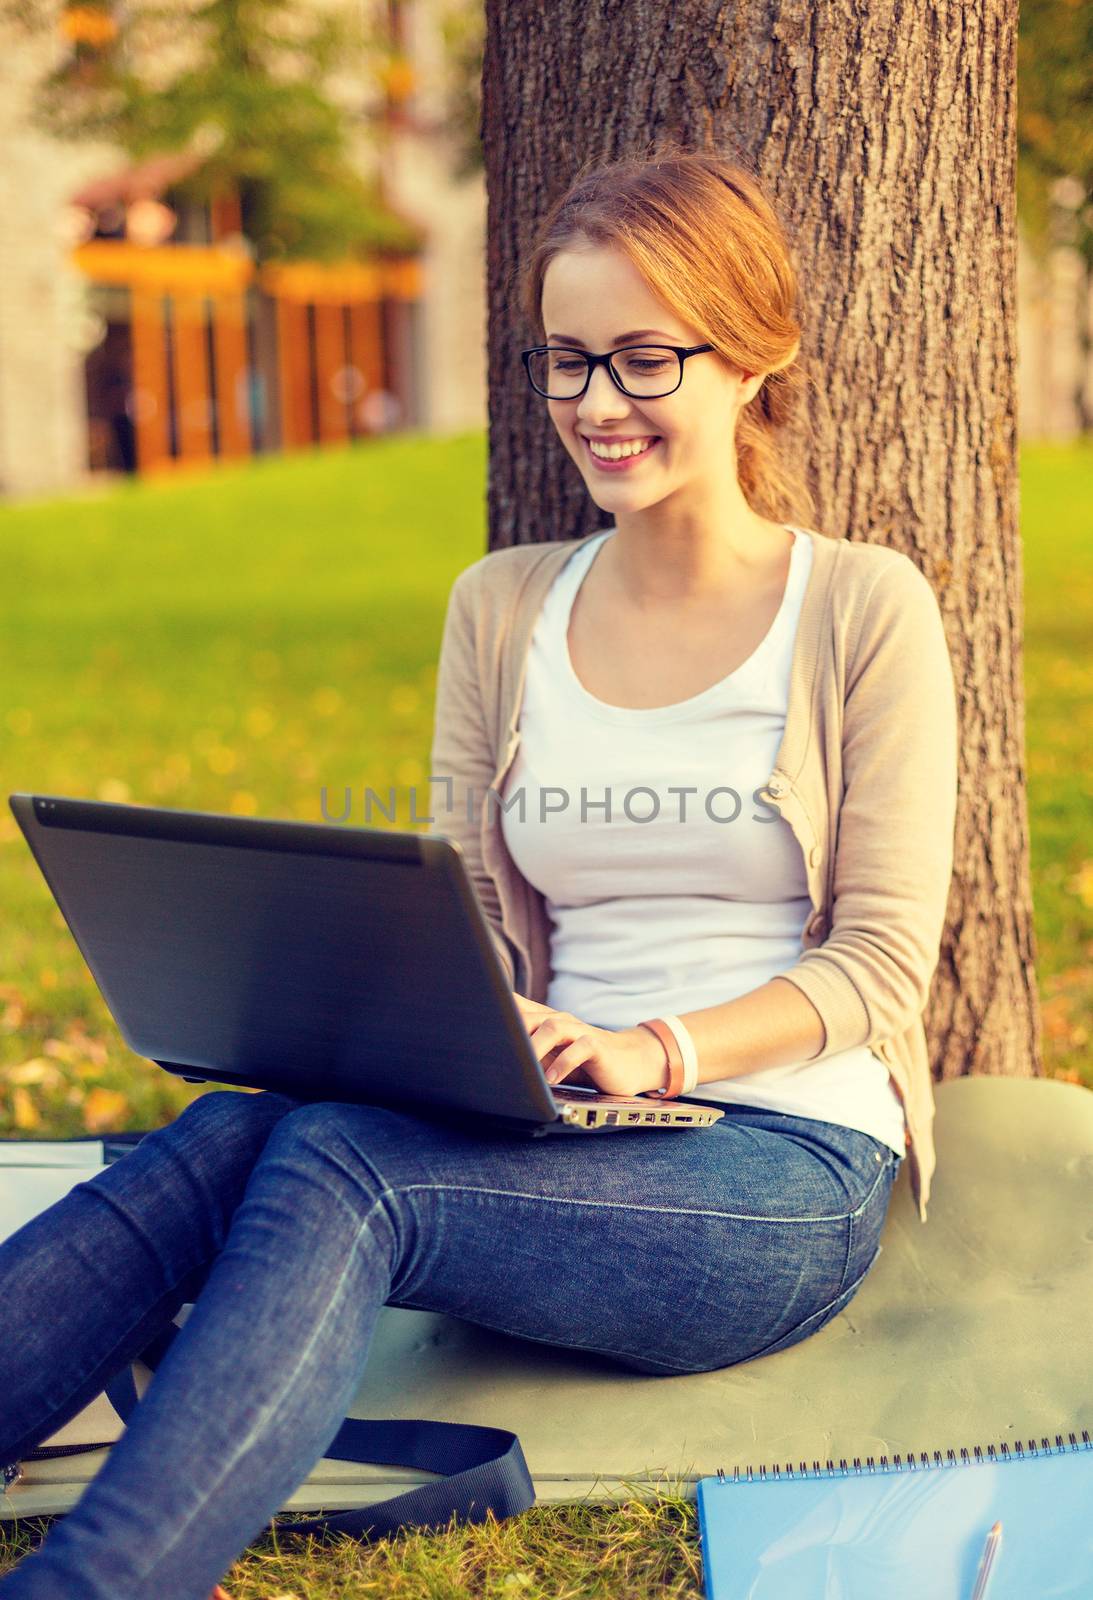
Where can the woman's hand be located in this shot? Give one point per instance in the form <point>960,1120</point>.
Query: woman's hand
<point>624,1061</point>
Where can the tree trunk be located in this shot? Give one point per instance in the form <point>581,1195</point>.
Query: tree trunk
<point>885,135</point>
<point>1083,399</point>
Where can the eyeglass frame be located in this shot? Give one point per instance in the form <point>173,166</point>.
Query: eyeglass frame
<point>682,352</point>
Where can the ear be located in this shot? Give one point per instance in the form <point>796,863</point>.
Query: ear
<point>750,385</point>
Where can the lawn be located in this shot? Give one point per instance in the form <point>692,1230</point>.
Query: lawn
<point>237,642</point>
<point>232,643</point>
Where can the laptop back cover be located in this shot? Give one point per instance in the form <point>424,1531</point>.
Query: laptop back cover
<point>313,959</point>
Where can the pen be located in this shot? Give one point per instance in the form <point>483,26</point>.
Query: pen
<point>986,1562</point>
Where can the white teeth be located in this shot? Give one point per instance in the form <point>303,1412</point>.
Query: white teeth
<point>619,452</point>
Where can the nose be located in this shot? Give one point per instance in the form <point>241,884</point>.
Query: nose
<point>602,399</point>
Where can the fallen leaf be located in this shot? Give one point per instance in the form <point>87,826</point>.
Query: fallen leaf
<point>36,1070</point>
<point>103,1108</point>
<point>23,1110</point>
<point>94,1049</point>
<point>115,790</point>
<point>60,1050</point>
<point>1081,883</point>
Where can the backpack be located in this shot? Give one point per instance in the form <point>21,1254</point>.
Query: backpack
<point>484,1468</point>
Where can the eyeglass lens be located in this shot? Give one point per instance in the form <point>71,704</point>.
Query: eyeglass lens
<point>643,373</point>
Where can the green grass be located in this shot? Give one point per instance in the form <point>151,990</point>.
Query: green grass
<point>644,1549</point>
<point>232,643</point>
<point>1056,493</point>
<point>235,641</point>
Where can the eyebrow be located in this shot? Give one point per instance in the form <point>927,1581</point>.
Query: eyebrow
<point>623,338</point>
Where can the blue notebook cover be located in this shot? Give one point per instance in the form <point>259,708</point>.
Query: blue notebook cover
<point>905,1531</point>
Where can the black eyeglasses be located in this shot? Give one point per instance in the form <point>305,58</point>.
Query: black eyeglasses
<point>649,371</point>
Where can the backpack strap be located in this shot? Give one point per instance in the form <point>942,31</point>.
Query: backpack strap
<point>484,1468</point>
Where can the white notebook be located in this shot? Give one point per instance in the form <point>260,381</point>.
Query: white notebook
<point>36,1172</point>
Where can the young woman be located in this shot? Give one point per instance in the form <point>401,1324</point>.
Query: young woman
<point>726,750</point>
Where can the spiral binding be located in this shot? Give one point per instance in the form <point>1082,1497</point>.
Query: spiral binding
<point>908,1463</point>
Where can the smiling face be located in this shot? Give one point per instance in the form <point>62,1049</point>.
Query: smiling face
<point>592,297</point>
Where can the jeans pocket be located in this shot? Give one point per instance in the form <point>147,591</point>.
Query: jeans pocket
<point>818,1319</point>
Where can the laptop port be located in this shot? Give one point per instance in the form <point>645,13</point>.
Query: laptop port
<point>612,1116</point>
<point>684,1119</point>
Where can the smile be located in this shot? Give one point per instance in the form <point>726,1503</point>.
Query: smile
<point>622,462</point>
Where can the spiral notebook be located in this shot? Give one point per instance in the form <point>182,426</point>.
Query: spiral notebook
<point>905,1530</point>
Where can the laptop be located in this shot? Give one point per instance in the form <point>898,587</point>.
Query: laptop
<point>321,961</point>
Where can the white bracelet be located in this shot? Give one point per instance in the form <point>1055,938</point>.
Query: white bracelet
<point>687,1051</point>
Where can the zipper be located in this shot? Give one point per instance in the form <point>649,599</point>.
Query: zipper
<point>47,1452</point>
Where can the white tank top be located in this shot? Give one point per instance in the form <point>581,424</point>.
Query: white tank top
<point>674,901</point>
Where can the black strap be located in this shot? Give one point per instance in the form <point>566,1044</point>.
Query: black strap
<point>484,1468</point>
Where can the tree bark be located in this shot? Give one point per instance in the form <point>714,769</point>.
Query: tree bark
<point>885,134</point>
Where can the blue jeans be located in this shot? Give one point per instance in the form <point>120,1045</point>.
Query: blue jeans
<point>288,1225</point>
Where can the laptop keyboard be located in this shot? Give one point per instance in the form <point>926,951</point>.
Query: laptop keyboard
<point>588,1094</point>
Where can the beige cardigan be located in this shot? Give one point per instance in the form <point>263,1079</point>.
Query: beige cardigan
<point>865,776</point>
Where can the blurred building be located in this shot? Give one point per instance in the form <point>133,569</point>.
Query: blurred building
<point>1055,326</point>
<point>138,335</point>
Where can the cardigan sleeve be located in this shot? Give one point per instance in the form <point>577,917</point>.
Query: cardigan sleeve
<point>462,760</point>
<point>870,979</point>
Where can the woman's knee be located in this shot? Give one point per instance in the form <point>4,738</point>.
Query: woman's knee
<point>321,1152</point>
<point>332,1124</point>
<point>233,1107</point>
<point>181,1183</point>
<point>225,1126</point>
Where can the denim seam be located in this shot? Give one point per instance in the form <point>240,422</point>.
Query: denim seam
<point>209,1487</point>
<point>853,1219</point>
<point>849,1250</point>
<point>882,1171</point>
<point>619,1205</point>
